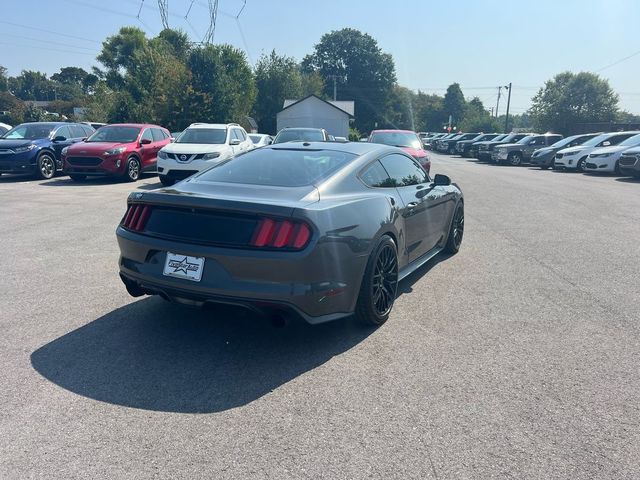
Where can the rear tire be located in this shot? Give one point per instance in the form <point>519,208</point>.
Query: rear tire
<point>456,231</point>
<point>379,284</point>
<point>77,178</point>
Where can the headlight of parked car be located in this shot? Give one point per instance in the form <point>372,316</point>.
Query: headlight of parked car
<point>211,156</point>
<point>115,151</point>
<point>162,155</point>
<point>24,149</point>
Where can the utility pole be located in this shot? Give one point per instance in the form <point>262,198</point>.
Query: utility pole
<point>498,103</point>
<point>335,86</point>
<point>506,120</point>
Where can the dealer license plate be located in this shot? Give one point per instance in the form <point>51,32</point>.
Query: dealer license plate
<point>183,266</point>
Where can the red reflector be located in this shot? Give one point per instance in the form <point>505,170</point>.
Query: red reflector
<point>301,236</point>
<point>134,217</point>
<point>283,237</point>
<point>127,217</point>
<point>264,233</point>
<point>144,216</point>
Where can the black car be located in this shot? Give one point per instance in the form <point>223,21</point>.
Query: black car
<point>303,135</point>
<point>486,148</point>
<point>320,230</point>
<point>463,147</point>
<point>36,147</point>
<point>449,145</point>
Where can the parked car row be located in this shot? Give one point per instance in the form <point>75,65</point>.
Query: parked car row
<point>612,152</point>
<point>120,150</point>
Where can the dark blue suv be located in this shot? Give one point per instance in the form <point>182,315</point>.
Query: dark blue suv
<point>35,148</point>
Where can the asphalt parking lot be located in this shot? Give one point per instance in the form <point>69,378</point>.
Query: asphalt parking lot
<point>517,358</point>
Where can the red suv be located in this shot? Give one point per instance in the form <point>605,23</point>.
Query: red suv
<point>407,140</point>
<point>120,150</point>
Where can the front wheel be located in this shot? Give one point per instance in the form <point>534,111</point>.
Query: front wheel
<point>46,166</point>
<point>379,285</point>
<point>515,159</point>
<point>456,231</point>
<point>132,169</point>
<point>616,169</point>
<point>580,164</point>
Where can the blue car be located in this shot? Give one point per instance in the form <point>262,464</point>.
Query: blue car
<point>35,148</point>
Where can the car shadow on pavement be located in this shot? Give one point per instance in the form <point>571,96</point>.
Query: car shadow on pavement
<point>406,284</point>
<point>149,186</point>
<point>628,180</point>
<point>158,356</point>
<point>17,178</point>
<point>67,182</point>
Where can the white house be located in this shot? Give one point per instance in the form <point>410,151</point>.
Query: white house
<point>312,111</point>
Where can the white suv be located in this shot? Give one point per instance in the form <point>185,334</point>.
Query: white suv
<point>200,146</point>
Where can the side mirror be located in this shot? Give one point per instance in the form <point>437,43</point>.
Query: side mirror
<point>59,138</point>
<point>441,180</point>
<point>234,142</point>
<point>145,141</point>
<point>606,143</point>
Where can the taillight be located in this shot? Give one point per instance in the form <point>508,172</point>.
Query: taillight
<point>290,234</point>
<point>136,217</point>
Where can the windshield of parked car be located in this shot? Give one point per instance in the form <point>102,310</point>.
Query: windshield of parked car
<point>284,167</point>
<point>115,134</point>
<point>210,136</point>
<point>498,138</point>
<point>566,141</point>
<point>397,139</point>
<point>596,140</point>
<point>525,140</point>
<point>29,131</point>
<point>299,135</point>
<point>631,141</point>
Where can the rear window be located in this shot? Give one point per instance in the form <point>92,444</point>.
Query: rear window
<point>299,136</point>
<point>280,167</point>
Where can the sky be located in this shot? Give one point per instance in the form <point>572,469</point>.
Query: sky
<point>480,44</point>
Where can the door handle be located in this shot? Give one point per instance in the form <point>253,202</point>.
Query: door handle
<point>412,204</point>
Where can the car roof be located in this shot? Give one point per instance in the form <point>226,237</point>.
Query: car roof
<point>215,126</point>
<point>136,125</point>
<point>53,124</point>
<point>357,148</point>
<point>300,128</point>
<point>392,130</point>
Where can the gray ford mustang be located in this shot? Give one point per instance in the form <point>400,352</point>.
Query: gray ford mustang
<point>319,230</point>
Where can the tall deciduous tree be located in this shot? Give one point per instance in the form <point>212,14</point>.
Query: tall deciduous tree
<point>362,71</point>
<point>4,79</point>
<point>278,77</point>
<point>572,98</point>
<point>454,103</point>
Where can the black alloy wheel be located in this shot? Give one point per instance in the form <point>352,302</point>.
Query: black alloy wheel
<point>456,232</point>
<point>379,285</point>
<point>46,166</point>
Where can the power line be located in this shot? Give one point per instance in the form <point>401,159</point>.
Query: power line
<point>49,31</point>
<point>49,42</point>
<point>45,48</point>
<point>618,61</point>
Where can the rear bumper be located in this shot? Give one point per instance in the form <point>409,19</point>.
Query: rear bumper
<point>318,284</point>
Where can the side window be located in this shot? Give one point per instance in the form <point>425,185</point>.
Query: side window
<point>537,141</point>
<point>147,134</point>
<point>87,130</point>
<point>77,131</point>
<point>403,171</point>
<point>616,139</point>
<point>243,136</point>
<point>63,132</point>
<point>554,139</point>
<point>157,135</point>
<point>376,176</point>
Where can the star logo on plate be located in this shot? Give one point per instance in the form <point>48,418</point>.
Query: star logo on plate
<point>183,266</point>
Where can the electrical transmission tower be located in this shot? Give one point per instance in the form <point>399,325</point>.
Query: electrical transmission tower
<point>163,6</point>
<point>213,15</point>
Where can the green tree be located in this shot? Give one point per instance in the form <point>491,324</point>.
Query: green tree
<point>312,84</point>
<point>278,77</point>
<point>400,109</point>
<point>364,73</point>
<point>4,79</point>
<point>570,98</point>
<point>429,112</point>
<point>454,103</point>
<point>32,85</point>
<point>478,119</point>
